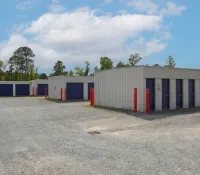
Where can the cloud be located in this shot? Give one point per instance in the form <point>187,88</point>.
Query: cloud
<point>55,7</point>
<point>167,36</point>
<point>144,6</point>
<point>147,47</point>
<point>26,4</point>
<point>152,8</point>
<point>172,9</point>
<point>81,35</point>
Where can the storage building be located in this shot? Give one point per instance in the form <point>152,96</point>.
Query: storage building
<point>78,87</point>
<point>40,86</point>
<point>14,88</point>
<point>170,88</point>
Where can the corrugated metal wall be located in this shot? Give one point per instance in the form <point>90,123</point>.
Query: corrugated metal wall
<point>114,88</point>
<point>173,75</point>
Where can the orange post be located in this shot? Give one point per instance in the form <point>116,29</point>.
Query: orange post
<point>147,101</point>
<point>65,94</point>
<point>33,93</point>
<point>135,99</point>
<point>92,96</point>
<point>36,91</point>
<point>60,94</point>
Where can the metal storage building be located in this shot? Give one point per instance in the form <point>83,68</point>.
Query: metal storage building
<point>78,87</point>
<point>41,85</point>
<point>14,88</point>
<point>170,88</point>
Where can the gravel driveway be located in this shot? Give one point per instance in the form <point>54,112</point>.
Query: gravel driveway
<point>45,138</point>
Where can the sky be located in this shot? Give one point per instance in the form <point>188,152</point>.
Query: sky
<point>76,31</point>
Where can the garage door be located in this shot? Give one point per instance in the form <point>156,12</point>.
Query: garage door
<point>22,89</point>
<point>90,85</point>
<point>41,89</point>
<point>75,91</point>
<point>6,90</point>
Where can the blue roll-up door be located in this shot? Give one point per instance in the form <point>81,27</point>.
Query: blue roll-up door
<point>6,90</point>
<point>165,93</point>
<point>179,93</point>
<point>41,89</point>
<point>191,93</point>
<point>22,89</point>
<point>150,84</point>
<point>90,85</point>
<point>75,91</point>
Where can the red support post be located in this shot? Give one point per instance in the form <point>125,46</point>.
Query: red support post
<point>36,91</point>
<point>147,101</point>
<point>135,99</point>
<point>61,94</point>
<point>33,93</point>
<point>92,96</point>
<point>46,92</point>
<point>65,94</point>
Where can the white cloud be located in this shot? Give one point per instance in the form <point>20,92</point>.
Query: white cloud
<point>82,35</point>
<point>144,6</point>
<point>151,7</point>
<point>172,9</point>
<point>147,47</point>
<point>26,4</point>
<point>166,36</point>
<point>122,12</point>
<point>55,6</point>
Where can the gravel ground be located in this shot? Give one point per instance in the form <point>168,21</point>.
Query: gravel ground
<point>45,138</point>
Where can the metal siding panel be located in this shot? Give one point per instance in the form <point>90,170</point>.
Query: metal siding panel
<point>75,91</point>
<point>90,85</point>
<point>41,89</point>
<point>22,89</point>
<point>150,84</point>
<point>191,93</point>
<point>165,94</point>
<point>197,93</point>
<point>179,93</point>
<point>172,84</point>
<point>118,89</point>
<point>6,90</point>
<point>158,94</point>
<point>123,92</point>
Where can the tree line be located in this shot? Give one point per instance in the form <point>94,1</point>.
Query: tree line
<point>105,63</point>
<point>21,67</point>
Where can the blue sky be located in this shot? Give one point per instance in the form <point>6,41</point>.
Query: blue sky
<point>76,31</point>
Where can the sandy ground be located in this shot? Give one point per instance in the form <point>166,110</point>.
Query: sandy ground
<point>40,137</point>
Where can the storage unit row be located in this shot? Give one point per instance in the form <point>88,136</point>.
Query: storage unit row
<point>78,88</point>
<point>170,88</point>
<point>9,89</point>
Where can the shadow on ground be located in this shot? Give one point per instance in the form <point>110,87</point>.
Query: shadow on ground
<point>164,114</point>
<point>155,114</point>
<point>68,101</point>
